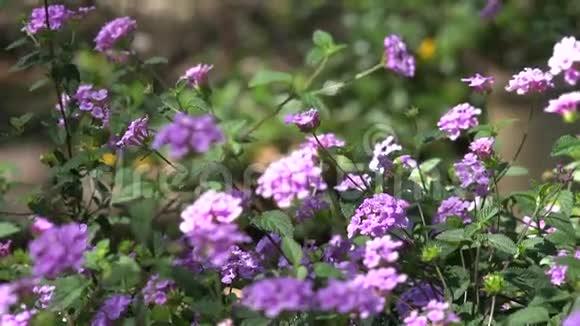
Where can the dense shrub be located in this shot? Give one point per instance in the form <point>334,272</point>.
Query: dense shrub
<point>152,216</point>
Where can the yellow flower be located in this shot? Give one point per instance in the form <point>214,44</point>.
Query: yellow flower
<point>109,159</point>
<point>144,163</point>
<point>427,48</point>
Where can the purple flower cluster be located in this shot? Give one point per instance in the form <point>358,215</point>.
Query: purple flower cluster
<point>472,173</point>
<point>529,81</point>
<point>407,161</point>
<point>381,152</point>
<point>397,58</point>
<point>5,248</point>
<point>40,224</point>
<point>328,140</point>
<point>156,289</point>
<point>418,297</point>
<point>187,134</point>
<point>482,147</point>
<point>460,117</point>
<point>94,101</point>
<point>436,312</point>
<point>241,264</point>
<point>8,297</point>
<point>111,310</point>
<point>59,249</point>
<point>113,31</point>
<point>479,83</point>
<point>310,206</point>
<point>292,177</point>
<point>453,206</point>
<point>44,294</point>
<point>21,318</point>
<point>306,121</point>
<point>209,208</point>
<point>491,9</point>
<point>382,280</point>
<point>197,75</point>
<point>565,105</point>
<point>378,215</point>
<point>557,274</point>
<point>276,295</point>
<point>58,15</point>
<point>208,224</point>
<point>573,319</point>
<point>566,59</point>
<point>213,241</point>
<point>136,133</point>
<point>381,250</point>
<point>360,182</point>
<point>350,297</point>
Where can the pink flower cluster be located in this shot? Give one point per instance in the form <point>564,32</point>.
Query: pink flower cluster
<point>292,177</point>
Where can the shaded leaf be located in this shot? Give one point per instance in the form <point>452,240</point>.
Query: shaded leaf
<point>456,235</point>
<point>529,315</point>
<point>265,77</point>
<point>274,221</point>
<point>7,229</point>
<point>565,145</point>
<point>292,250</point>
<point>502,243</point>
<point>68,291</point>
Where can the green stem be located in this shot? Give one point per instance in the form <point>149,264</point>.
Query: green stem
<point>336,163</point>
<point>349,81</point>
<point>442,279</point>
<point>68,138</point>
<point>492,310</point>
<point>317,72</point>
<point>279,108</point>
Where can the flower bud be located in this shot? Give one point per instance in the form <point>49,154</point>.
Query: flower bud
<point>493,283</point>
<point>430,253</point>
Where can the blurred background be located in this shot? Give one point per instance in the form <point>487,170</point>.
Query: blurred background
<point>450,38</point>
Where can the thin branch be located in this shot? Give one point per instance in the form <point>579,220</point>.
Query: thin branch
<point>57,86</point>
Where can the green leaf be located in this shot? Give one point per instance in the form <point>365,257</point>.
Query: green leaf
<point>96,257</point>
<point>487,213</point>
<point>161,314</point>
<point>25,62</point>
<point>531,242</point>
<point>142,213</point>
<point>124,274</point>
<point>325,270</point>
<point>256,321</point>
<point>314,56</point>
<point>38,84</point>
<point>292,250</point>
<point>19,122</point>
<point>16,44</point>
<point>265,77</point>
<point>516,171</point>
<point>425,167</point>
<point>68,75</point>
<point>275,221</point>
<point>68,292</point>
<point>156,61</point>
<point>529,315</point>
<point>566,145</point>
<point>566,202</point>
<point>456,235</point>
<point>136,190</point>
<point>7,229</point>
<point>560,238</point>
<point>502,243</point>
<point>322,39</point>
